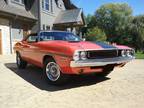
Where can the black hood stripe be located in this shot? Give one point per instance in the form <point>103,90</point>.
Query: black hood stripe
<point>105,46</point>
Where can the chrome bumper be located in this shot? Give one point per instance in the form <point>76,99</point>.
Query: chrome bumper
<point>100,62</point>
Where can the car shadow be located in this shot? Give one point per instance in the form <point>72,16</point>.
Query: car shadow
<point>34,76</point>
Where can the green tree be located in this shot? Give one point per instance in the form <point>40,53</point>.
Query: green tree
<point>137,32</point>
<point>91,21</point>
<point>95,34</point>
<point>114,19</point>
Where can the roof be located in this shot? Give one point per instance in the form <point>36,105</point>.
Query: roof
<point>69,16</point>
<point>68,4</point>
<point>4,7</point>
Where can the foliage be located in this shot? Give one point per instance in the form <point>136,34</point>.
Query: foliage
<point>139,55</point>
<point>91,21</point>
<point>114,19</point>
<point>95,34</point>
<point>137,31</point>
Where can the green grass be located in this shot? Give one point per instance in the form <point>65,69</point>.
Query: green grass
<point>139,55</point>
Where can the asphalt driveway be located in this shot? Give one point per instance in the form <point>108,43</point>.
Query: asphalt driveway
<point>123,88</point>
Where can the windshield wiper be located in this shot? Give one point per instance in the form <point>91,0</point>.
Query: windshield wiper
<point>74,41</point>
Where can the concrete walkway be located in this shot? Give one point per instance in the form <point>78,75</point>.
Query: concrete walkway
<point>123,88</point>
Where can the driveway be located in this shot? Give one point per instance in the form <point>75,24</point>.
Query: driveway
<point>123,88</point>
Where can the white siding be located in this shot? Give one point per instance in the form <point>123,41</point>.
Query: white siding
<point>16,33</point>
<point>4,26</point>
<point>48,18</point>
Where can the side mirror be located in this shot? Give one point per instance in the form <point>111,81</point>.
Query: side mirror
<point>84,39</point>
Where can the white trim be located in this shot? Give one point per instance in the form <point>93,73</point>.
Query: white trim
<point>5,31</point>
<point>19,3</point>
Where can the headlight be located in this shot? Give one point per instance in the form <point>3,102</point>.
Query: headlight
<point>123,53</point>
<point>127,53</point>
<point>83,55</point>
<point>80,55</point>
<point>130,53</point>
<point>76,56</point>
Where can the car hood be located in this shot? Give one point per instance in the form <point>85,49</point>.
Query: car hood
<point>84,45</point>
<point>70,47</point>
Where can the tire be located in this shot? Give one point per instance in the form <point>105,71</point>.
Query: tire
<point>21,64</point>
<point>106,71</point>
<point>104,74</point>
<point>53,74</point>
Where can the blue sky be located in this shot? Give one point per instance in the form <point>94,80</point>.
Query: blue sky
<point>89,6</point>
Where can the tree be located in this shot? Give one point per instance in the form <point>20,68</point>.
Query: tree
<point>95,34</point>
<point>114,19</point>
<point>90,23</point>
<point>137,32</point>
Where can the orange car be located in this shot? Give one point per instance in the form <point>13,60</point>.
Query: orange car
<point>62,53</point>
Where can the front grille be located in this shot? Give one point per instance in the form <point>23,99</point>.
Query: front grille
<point>101,54</point>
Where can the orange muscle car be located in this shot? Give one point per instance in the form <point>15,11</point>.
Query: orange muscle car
<point>61,54</point>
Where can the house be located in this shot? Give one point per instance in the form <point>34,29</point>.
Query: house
<point>21,17</point>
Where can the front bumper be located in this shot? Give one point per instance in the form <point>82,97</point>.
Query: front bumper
<point>100,62</point>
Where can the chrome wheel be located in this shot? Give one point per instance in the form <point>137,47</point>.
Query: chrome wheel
<point>52,71</point>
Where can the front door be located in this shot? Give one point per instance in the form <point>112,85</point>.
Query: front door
<point>0,42</point>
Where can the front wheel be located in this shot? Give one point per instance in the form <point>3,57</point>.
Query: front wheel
<point>21,64</point>
<point>53,73</point>
<point>106,70</point>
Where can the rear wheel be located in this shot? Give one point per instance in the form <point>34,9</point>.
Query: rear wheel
<point>53,73</point>
<point>21,64</point>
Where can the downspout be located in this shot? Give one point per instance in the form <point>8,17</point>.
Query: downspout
<point>10,29</point>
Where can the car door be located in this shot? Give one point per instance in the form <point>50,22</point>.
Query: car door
<point>30,49</point>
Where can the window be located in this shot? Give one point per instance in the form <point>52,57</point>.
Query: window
<point>47,27</point>
<point>51,5</point>
<point>65,36</point>
<point>32,38</point>
<point>45,5</point>
<point>43,27</point>
<point>18,1</point>
<point>46,36</point>
<point>59,4</point>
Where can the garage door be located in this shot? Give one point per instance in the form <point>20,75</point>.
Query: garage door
<point>0,42</point>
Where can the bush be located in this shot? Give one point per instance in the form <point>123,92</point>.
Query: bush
<point>95,34</point>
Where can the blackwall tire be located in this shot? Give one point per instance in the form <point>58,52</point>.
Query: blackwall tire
<point>106,71</point>
<point>21,64</point>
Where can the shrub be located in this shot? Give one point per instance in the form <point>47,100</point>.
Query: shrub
<point>95,34</point>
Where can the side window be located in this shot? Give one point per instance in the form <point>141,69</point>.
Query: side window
<point>46,36</point>
<point>32,38</point>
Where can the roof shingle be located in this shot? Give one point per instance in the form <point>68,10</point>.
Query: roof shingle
<point>68,16</point>
<point>4,7</point>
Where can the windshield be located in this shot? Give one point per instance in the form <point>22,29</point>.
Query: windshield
<point>65,36</point>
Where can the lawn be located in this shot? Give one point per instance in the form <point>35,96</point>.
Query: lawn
<point>139,55</point>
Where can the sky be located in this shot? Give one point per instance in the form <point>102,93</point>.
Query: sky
<point>90,6</point>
